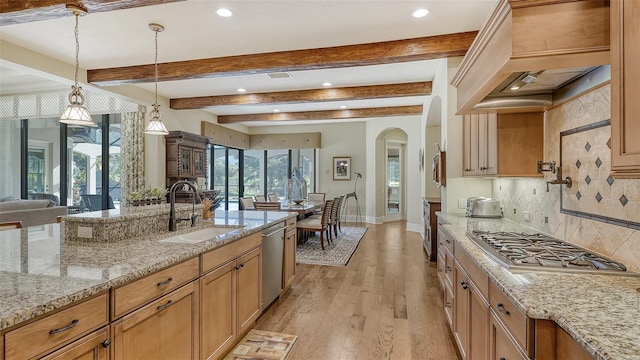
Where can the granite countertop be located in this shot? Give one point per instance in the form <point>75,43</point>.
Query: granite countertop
<point>601,312</point>
<point>40,272</point>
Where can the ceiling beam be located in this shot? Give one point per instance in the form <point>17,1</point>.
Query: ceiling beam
<point>306,96</point>
<point>324,115</point>
<point>424,48</point>
<point>25,11</point>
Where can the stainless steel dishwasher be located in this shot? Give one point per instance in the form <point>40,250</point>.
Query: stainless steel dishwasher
<point>272,254</point>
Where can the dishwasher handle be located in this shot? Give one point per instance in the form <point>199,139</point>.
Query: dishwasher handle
<point>273,233</point>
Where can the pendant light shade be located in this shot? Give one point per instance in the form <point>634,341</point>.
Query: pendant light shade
<point>155,125</point>
<point>76,113</point>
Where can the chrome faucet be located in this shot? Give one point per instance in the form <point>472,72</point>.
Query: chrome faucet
<point>559,180</point>
<point>172,199</point>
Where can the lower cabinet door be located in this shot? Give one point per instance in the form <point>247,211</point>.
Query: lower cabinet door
<point>167,328</point>
<point>218,311</point>
<point>502,346</point>
<point>478,326</point>
<point>461,306</point>
<point>249,289</point>
<point>94,346</point>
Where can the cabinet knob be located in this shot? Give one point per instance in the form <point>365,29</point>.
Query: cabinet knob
<point>503,358</point>
<point>447,305</point>
<point>464,285</point>
<point>448,268</point>
<point>106,343</point>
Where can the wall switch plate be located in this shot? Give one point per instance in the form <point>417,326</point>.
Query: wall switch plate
<point>85,232</point>
<point>462,203</point>
<point>525,216</point>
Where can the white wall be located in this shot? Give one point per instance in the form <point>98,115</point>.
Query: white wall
<point>338,139</point>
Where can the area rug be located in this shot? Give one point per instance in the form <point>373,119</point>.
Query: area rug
<point>336,254</point>
<point>263,345</point>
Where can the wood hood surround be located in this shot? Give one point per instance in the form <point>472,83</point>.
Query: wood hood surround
<point>531,35</point>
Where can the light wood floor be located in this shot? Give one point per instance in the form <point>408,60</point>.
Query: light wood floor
<point>385,304</point>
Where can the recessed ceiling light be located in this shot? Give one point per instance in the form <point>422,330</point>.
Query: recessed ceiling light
<point>420,13</point>
<point>326,84</point>
<point>343,106</point>
<point>241,90</point>
<point>515,87</point>
<point>224,12</point>
<point>276,110</point>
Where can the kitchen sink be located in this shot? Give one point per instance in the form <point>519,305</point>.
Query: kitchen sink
<point>201,235</point>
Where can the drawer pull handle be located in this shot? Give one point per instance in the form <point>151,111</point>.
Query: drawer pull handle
<point>502,309</point>
<point>464,285</point>
<point>448,268</point>
<point>106,343</point>
<point>64,328</point>
<point>166,282</point>
<point>447,305</point>
<point>162,307</point>
<point>448,241</point>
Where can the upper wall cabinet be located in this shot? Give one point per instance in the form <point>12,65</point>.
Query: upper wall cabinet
<point>528,50</point>
<point>625,87</point>
<point>186,156</point>
<point>508,145</point>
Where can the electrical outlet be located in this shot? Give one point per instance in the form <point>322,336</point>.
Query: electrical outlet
<point>85,232</point>
<point>525,216</point>
<point>546,219</point>
<point>462,203</point>
<point>534,191</point>
<point>514,211</point>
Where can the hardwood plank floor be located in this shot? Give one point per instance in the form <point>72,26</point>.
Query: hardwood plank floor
<point>385,304</point>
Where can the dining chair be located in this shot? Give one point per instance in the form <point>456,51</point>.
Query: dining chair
<point>314,224</point>
<point>335,214</point>
<point>273,197</point>
<point>267,205</point>
<point>317,197</point>
<point>8,225</point>
<point>246,203</point>
<point>260,198</point>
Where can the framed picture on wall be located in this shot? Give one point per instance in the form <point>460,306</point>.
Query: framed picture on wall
<point>342,168</point>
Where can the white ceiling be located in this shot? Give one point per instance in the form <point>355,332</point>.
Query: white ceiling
<point>194,31</point>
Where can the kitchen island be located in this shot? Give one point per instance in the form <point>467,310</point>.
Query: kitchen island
<point>41,273</point>
<point>601,313</point>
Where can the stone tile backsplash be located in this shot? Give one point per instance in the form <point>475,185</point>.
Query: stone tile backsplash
<point>600,196</point>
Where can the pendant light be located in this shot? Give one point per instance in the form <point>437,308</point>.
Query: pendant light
<point>155,125</point>
<point>76,113</point>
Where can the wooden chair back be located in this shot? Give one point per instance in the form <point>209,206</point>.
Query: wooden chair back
<point>267,205</point>
<point>8,225</point>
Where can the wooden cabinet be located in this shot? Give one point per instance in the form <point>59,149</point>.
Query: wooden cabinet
<point>461,296</point>
<point>167,328</point>
<point>231,294</point>
<point>430,220</point>
<point>625,85</point>
<point>130,296</point>
<point>51,332</point>
<point>480,154</point>
<point>186,156</point>
<point>501,344</point>
<point>289,260</point>
<point>503,145</point>
<point>94,346</point>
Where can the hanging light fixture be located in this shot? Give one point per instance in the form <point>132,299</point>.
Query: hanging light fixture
<point>76,113</point>
<point>155,125</point>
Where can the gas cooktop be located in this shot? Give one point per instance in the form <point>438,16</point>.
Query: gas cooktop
<point>535,251</point>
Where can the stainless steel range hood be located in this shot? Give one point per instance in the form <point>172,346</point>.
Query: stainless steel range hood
<point>544,88</point>
<point>531,54</point>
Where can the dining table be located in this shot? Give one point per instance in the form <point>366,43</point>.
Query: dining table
<point>303,209</point>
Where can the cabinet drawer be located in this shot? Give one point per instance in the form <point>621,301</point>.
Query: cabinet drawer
<point>139,292</point>
<point>57,329</point>
<point>219,256</point>
<point>441,264</point>
<point>501,344</point>
<point>91,346</point>
<point>449,303</point>
<point>444,239</point>
<point>515,321</point>
<point>290,223</point>
<point>476,275</point>
<point>449,263</point>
